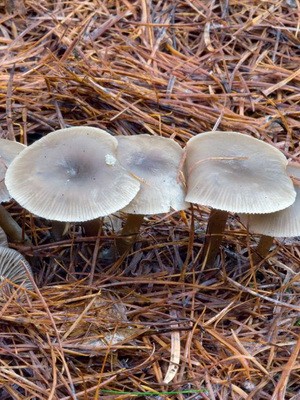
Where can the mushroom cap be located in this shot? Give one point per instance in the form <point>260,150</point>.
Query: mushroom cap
<point>281,223</point>
<point>155,161</point>
<point>234,172</point>
<point>14,267</point>
<point>71,175</point>
<point>8,151</point>
<point>3,238</point>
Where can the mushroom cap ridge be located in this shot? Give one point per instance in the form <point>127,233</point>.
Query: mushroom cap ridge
<point>71,175</point>
<point>234,172</point>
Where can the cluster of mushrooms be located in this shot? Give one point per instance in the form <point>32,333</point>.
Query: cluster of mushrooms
<point>82,173</point>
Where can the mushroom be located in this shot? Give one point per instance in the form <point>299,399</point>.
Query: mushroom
<point>284,223</point>
<point>71,175</point>
<point>233,172</point>
<point>14,268</point>
<point>155,161</point>
<point>8,151</point>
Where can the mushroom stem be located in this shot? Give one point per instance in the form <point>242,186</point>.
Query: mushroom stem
<point>59,229</point>
<point>214,234</point>
<point>11,228</point>
<point>92,227</point>
<point>129,233</point>
<point>262,248</point>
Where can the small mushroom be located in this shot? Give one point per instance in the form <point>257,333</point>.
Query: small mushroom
<point>71,175</point>
<point>155,161</point>
<point>233,172</point>
<point>284,223</point>
<point>8,151</point>
<point>14,268</point>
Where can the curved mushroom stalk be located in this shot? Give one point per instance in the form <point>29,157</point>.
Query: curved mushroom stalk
<point>235,173</point>
<point>155,161</point>
<point>214,235</point>
<point>263,248</point>
<point>11,228</point>
<point>129,233</point>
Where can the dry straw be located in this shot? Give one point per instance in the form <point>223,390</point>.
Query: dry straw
<point>172,69</point>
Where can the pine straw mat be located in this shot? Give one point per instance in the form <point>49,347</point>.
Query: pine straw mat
<point>154,324</point>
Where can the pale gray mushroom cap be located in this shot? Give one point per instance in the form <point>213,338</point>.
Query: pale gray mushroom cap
<point>3,238</point>
<point>14,267</point>
<point>281,223</point>
<point>237,173</point>
<point>155,161</point>
<point>8,151</point>
<point>71,175</point>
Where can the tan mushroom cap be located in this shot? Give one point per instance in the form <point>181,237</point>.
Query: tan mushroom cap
<point>71,175</point>
<point>156,161</point>
<point>14,267</point>
<point>281,223</point>
<point>234,172</point>
<point>8,151</point>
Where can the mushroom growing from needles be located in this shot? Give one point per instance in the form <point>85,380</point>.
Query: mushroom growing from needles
<point>71,175</point>
<point>233,172</point>
<point>155,161</point>
<point>284,223</point>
